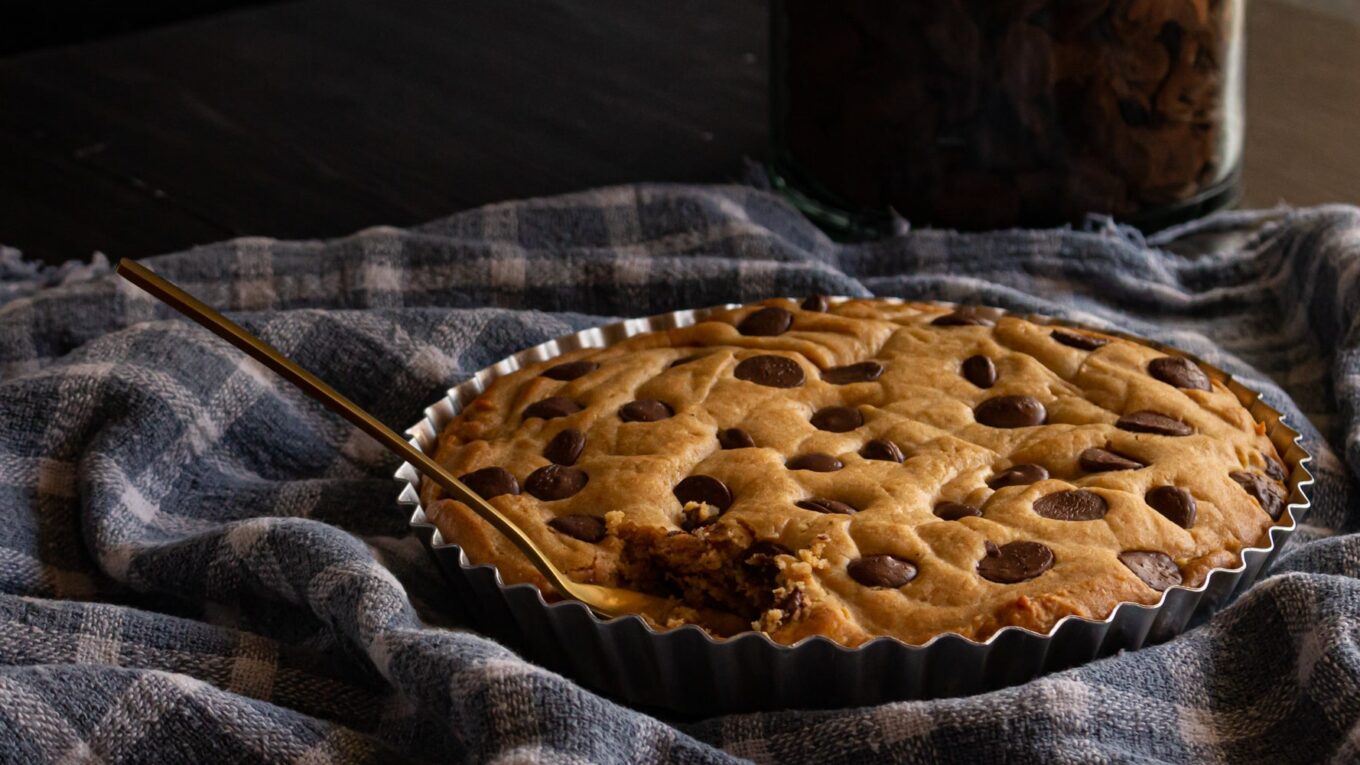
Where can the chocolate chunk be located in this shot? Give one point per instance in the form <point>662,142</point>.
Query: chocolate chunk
<point>552,407</point>
<point>1146,421</point>
<point>980,371</point>
<point>816,462</point>
<point>818,303</point>
<point>490,482</point>
<point>767,322</point>
<point>1073,505</point>
<point>693,517</point>
<point>953,511</point>
<point>766,548</point>
<point>1273,468</point>
<point>735,438</point>
<point>965,316</point>
<point>1075,340</point>
<point>1179,372</point>
<point>865,371</point>
<point>770,371</point>
<point>831,506</point>
<point>1011,412</point>
<point>793,602</point>
<point>837,419</point>
<point>881,571</point>
<point>645,410</point>
<point>1268,494</point>
<point>552,482</point>
<point>1156,569</point>
<point>1134,113</point>
<point>565,448</point>
<point>1015,562</point>
<point>1096,460</point>
<point>881,449</point>
<point>760,556</point>
<point>705,489</point>
<point>1177,504</point>
<point>571,370</point>
<point>1018,475</point>
<point>586,528</point>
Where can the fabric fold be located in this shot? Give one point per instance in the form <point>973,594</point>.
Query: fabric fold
<point>198,561</point>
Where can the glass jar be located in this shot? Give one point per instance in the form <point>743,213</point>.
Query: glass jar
<point>996,113</point>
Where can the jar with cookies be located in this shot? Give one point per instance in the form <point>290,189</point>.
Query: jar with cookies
<point>978,114</point>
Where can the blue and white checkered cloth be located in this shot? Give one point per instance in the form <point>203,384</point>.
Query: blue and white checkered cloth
<point>197,563</point>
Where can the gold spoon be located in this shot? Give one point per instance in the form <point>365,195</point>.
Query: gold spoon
<point>607,601</point>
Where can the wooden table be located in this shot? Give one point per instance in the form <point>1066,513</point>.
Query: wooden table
<point>316,118</point>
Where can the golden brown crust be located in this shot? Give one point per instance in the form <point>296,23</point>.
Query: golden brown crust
<point>716,565</point>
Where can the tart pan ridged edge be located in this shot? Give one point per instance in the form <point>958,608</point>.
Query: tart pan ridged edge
<point>685,670</point>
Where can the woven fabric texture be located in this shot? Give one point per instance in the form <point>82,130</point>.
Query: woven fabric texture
<point>199,563</point>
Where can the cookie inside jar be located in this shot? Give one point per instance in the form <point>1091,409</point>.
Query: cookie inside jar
<point>979,114</point>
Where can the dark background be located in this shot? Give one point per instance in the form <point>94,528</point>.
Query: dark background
<point>138,128</point>
<point>58,22</point>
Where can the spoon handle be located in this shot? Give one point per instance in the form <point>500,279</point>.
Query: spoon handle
<point>269,356</point>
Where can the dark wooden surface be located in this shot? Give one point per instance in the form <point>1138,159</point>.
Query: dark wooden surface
<point>316,118</point>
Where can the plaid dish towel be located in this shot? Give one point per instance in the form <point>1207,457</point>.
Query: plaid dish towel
<point>197,563</point>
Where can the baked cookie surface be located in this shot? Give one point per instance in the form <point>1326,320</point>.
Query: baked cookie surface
<point>864,468</point>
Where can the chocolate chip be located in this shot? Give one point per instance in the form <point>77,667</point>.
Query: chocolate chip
<point>770,371</point>
<point>767,322</point>
<point>586,528</point>
<point>1011,412</point>
<point>552,407</point>
<point>837,419</point>
<point>1073,505</point>
<point>1015,562</point>
<point>1156,569</point>
<point>953,511</point>
<point>1096,460</point>
<point>989,547</point>
<point>645,410</point>
<point>490,482</point>
<point>964,316</point>
<point>818,303</point>
<point>1268,494</point>
<point>816,462</point>
<point>552,482</point>
<point>881,571</point>
<point>735,438</point>
<point>980,371</point>
<point>1146,421</point>
<point>705,489</point>
<point>571,370</point>
<point>1273,468</point>
<point>565,448</point>
<point>865,371</point>
<point>1179,372</point>
<point>1177,504</point>
<point>1018,475</point>
<point>881,449</point>
<point>830,506</point>
<point>1075,340</point>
